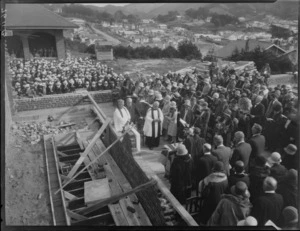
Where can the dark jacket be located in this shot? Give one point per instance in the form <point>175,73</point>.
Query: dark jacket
<point>241,152</point>
<point>216,184</point>
<point>258,111</point>
<point>205,166</point>
<point>257,143</point>
<point>267,207</point>
<point>288,188</point>
<point>278,171</point>
<point>236,177</point>
<point>257,175</point>
<point>188,117</point>
<point>223,154</point>
<point>230,210</point>
<point>180,177</point>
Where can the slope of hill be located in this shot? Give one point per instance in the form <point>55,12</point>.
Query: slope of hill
<point>283,8</point>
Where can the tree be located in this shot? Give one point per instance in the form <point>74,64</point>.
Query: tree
<point>188,50</point>
<point>170,52</point>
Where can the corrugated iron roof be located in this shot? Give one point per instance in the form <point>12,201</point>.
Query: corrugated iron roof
<point>227,50</point>
<point>34,16</point>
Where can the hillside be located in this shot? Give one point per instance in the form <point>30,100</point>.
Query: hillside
<point>284,9</point>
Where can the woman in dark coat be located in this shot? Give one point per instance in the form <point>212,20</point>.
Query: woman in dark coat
<point>257,175</point>
<point>211,188</point>
<point>288,188</point>
<point>180,174</point>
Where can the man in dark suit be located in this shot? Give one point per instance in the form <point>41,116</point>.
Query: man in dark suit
<point>204,119</point>
<point>257,112</point>
<point>241,151</point>
<point>205,163</point>
<point>257,143</point>
<point>222,152</point>
<point>186,113</point>
<point>269,205</point>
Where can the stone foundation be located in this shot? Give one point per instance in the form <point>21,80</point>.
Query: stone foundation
<point>61,100</point>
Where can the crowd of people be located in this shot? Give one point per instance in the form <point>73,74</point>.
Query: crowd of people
<point>237,137</point>
<point>39,77</point>
<point>236,141</point>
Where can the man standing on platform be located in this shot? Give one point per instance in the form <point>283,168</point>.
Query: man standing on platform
<point>153,125</point>
<point>121,117</point>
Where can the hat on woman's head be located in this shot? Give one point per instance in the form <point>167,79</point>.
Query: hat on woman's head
<point>274,158</point>
<point>291,149</point>
<point>218,167</point>
<point>173,104</point>
<point>239,189</point>
<point>181,150</point>
<point>290,215</point>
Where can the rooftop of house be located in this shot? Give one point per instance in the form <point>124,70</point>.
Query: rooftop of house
<point>34,16</point>
<point>227,50</point>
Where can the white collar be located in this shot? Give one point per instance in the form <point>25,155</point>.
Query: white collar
<point>241,142</point>
<point>207,153</point>
<point>271,191</point>
<point>221,145</point>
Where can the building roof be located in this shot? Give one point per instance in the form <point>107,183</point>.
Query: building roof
<point>227,50</point>
<point>34,16</point>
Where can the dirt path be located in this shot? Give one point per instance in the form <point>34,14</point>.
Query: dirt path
<point>26,190</point>
<point>106,36</point>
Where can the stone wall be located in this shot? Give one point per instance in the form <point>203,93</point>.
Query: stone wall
<point>62,100</point>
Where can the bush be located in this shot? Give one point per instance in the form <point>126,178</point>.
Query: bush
<point>188,50</point>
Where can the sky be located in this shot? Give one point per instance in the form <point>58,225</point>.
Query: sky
<point>104,4</point>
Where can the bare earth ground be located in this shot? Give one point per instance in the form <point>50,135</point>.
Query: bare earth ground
<point>26,187</point>
<point>26,190</point>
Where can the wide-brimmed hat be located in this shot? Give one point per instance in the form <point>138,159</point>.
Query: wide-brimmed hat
<point>291,149</point>
<point>151,92</point>
<point>249,221</point>
<point>159,97</point>
<point>181,150</point>
<point>239,189</point>
<point>290,215</point>
<point>274,158</point>
<point>187,102</point>
<point>173,104</point>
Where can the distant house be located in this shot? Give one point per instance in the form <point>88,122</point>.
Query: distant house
<point>139,39</point>
<point>105,24</point>
<point>77,21</point>
<point>156,39</point>
<point>145,21</point>
<point>178,29</point>
<point>128,33</point>
<point>163,26</point>
<point>208,19</point>
<point>242,19</point>
<point>157,31</point>
<point>227,50</point>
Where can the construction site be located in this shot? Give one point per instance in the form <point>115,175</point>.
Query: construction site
<point>65,163</point>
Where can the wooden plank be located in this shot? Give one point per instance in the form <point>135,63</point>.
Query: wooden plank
<point>101,115</point>
<point>142,216</point>
<point>175,203</point>
<point>79,140</point>
<point>49,183</point>
<point>60,184</point>
<point>61,154</point>
<point>116,189</point>
<point>117,197</point>
<point>106,150</point>
<point>76,216</point>
<point>88,149</point>
<point>70,196</point>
